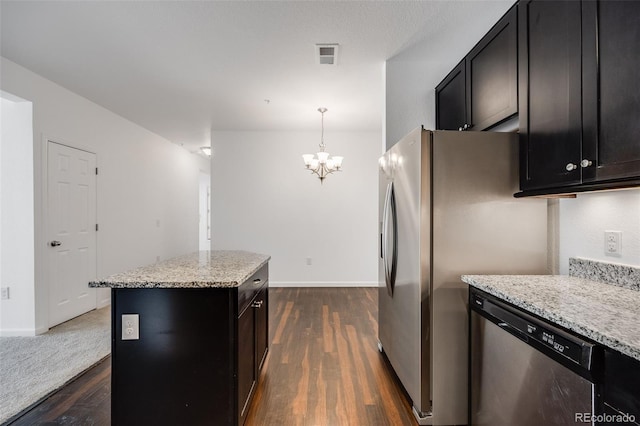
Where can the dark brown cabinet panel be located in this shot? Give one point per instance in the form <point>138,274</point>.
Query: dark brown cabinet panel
<point>262,327</point>
<point>246,361</point>
<point>621,390</point>
<point>611,95</point>
<point>550,87</point>
<point>482,90</point>
<point>579,95</point>
<point>451,100</point>
<point>180,369</point>
<point>492,81</point>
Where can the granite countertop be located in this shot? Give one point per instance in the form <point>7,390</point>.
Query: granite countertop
<point>605,312</point>
<point>217,268</point>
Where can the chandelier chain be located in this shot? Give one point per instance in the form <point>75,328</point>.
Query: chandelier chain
<point>322,111</point>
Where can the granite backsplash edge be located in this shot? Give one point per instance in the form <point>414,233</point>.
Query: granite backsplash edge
<point>625,276</point>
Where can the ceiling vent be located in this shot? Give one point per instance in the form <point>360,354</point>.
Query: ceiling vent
<point>327,54</point>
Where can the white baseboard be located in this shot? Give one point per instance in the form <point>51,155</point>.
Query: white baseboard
<point>322,284</point>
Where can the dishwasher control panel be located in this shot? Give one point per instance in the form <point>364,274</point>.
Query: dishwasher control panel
<point>527,328</point>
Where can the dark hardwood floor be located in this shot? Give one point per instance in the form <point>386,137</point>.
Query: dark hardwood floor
<point>323,369</point>
<point>85,401</point>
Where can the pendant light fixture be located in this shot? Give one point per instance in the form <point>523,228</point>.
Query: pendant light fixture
<point>322,164</point>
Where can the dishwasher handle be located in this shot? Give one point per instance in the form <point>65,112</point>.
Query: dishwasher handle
<point>514,331</point>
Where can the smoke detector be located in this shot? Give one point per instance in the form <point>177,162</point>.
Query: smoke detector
<point>327,53</point>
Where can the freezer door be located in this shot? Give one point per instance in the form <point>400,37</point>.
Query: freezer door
<point>401,328</point>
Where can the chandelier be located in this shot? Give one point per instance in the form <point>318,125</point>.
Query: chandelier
<point>323,165</point>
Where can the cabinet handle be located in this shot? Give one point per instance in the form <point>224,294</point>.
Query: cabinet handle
<point>586,163</point>
<point>460,129</point>
<point>571,167</point>
<point>257,304</point>
<point>257,281</point>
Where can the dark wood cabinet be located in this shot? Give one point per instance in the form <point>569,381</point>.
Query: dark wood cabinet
<point>198,356</point>
<point>492,75</point>
<point>621,387</point>
<point>253,330</point>
<point>246,361</point>
<point>482,90</point>
<point>451,100</point>
<point>550,85</point>
<point>262,328</point>
<point>611,92</point>
<point>578,95</point>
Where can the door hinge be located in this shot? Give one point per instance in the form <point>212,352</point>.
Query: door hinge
<point>96,170</point>
<point>96,227</point>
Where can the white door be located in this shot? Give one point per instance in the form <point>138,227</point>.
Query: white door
<point>72,231</point>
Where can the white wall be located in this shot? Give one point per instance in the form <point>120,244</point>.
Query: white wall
<point>584,219</point>
<point>263,200</point>
<point>410,100</point>
<point>17,261</point>
<point>147,188</point>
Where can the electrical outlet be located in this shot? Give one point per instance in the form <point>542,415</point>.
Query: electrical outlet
<point>6,295</point>
<point>130,327</point>
<point>309,261</point>
<point>613,243</point>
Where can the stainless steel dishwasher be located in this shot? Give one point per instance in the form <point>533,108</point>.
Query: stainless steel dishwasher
<point>525,371</point>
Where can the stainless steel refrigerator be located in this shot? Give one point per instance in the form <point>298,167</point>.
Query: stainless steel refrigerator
<point>447,209</point>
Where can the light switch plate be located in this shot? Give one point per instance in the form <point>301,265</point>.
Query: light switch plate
<point>130,327</point>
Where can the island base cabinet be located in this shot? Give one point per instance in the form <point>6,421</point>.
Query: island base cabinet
<point>194,362</point>
<point>246,361</point>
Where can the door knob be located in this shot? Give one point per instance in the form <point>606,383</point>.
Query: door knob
<point>571,167</point>
<point>586,163</point>
<point>55,243</point>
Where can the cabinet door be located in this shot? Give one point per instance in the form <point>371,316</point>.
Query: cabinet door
<point>262,327</point>
<point>549,60</point>
<point>611,94</point>
<point>451,113</point>
<point>246,361</point>
<point>492,75</point>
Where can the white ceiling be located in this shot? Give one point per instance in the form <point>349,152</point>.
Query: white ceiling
<point>184,68</point>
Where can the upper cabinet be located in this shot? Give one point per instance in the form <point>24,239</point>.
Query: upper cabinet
<point>451,100</point>
<point>611,91</point>
<point>482,90</point>
<point>578,95</point>
<point>550,83</point>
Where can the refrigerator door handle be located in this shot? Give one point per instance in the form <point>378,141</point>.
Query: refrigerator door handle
<point>390,236</point>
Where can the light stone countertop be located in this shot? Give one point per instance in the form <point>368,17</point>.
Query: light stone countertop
<point>605,313</point>
<point>217,268</point>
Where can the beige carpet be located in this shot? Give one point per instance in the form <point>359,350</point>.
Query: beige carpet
<point>33,367</point>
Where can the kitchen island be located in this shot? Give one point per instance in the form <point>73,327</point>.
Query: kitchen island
<point>189,337</point>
